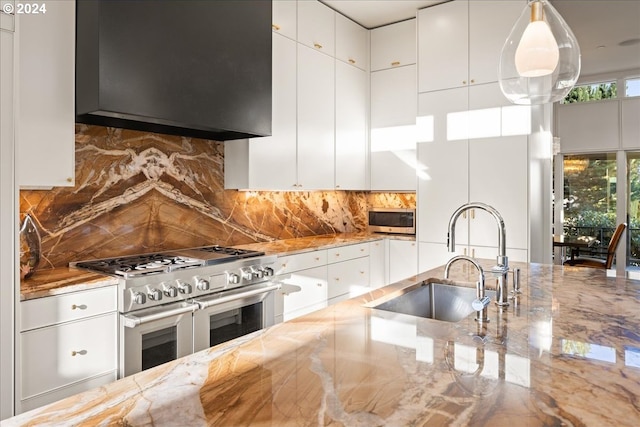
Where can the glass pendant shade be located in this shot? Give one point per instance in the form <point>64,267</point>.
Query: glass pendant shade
<point>540,60</point>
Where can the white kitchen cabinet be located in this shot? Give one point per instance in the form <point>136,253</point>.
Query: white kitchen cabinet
<point>348,279</point>
<point>8,214</point>
<point>308,292</point>
<point>476,151</point>
<point>316,26</point>
<point>378,263</point>
<point>352,43</point>
<point>475,32</point>
<point>250,164</point>
<point>78,334</point>
<point>316,119</point>
<point>403,259</point>
<point>351,146</point>
<point>45,103</point>
<point>393,129</point>
<point>393,45</point>
<point>285,17</point>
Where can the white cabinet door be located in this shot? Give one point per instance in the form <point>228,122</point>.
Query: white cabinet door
<point>316,26</point>
<point>432,255</point>
<point>351,128</point>
<point>490,23</point>
<point>393,132</point>
<point>377,264</point>
<point>312,296</point>
<point>59,355</point>
<point>272,159</point>
<point>348,279</point>
<point>316,119</point>
<point>284,19</point>
<point>352,44</point>
<point>403,259</point>
<point>499,177</point>
<point>45,88</point>
<point>393,45</point>
<point>443,38</point>
<point>446,162</point>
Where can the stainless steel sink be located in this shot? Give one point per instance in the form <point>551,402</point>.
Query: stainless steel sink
<point>433,300</point>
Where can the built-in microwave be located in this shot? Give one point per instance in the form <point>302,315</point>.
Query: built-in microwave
<point>392,220</point>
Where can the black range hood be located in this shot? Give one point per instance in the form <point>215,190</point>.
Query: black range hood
<point>198,68</point>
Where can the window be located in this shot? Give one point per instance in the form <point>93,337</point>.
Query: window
<point>590,201</point>
<point>591,92</point>
<point>632,87</point>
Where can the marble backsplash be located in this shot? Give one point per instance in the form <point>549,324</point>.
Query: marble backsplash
<point>141,192</point>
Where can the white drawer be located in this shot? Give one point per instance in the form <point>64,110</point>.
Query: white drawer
<point>47,311</point>
<point>348,278</point>
<point>56,356</point>
<point>289,263</point>
<point>344,253</point>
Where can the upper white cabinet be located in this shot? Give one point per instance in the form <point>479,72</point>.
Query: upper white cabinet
<point>475,32</point>
<point>351,128</point>
<point>473,153</point>
<point>393,121</point>
<point>316,119</point>
<point>285,17</point>
<point>45,90</point>
<point>250,164</point>
<point>393,45</point>
<point>352,43</point>
<point>316,26</point>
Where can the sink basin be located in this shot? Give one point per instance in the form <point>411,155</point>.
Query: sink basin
<point>433,300</point>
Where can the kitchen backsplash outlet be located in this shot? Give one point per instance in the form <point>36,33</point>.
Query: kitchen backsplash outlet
<point>143,192</point>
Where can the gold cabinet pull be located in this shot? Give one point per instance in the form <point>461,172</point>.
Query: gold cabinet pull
<point>317,45</point>
<point>473,214</point>
<point>69,179</point>
<point>464,82</point>
<point>275,27</point>
<point>319,284</point>
<point>395,63</point>
<point>473,81</point>
<point>352,61</point>
<point>78,353</point>
<point>78,307</point>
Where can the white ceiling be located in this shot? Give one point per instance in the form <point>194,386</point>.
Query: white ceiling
<point>595,23</point>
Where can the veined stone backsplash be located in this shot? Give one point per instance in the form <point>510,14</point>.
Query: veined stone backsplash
<point>141,192</point>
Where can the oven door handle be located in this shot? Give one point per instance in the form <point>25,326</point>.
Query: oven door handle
<point>238,296</point>
<point>131,320</point>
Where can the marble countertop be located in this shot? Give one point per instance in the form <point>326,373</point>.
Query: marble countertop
<point>62,280</point>
<point>565,352</point>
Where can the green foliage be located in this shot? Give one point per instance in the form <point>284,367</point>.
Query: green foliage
<point>588,93</point>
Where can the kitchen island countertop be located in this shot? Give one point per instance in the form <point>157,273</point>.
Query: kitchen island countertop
<point>565,352</point>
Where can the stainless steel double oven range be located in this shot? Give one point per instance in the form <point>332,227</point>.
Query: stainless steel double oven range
<point>177,302</point>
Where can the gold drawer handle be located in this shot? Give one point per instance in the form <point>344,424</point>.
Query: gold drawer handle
<point>319,285</point>
<point>352,61</point>
<point>275,27</point>
<point>81,353</point>
<point>395,63</point>
<point>317,45</point>
<point>78,307</point>
<point>317,258</point>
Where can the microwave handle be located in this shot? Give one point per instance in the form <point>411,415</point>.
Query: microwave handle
<point>131,320</point>
<point>238,296</point>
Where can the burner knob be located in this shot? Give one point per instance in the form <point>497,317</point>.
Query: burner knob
<point>171,292</point>
<point>155,295</point>
<point>268,271</point>
<point>202,284</point>
<point>258,274</point>
<point>234,279</point>
<point>184,288</point>
<point>139,298</point>
<point>247,275</point>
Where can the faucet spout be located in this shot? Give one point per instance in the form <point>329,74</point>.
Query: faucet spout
<point>502,262</point>
<point>482,301</point>
<point>502,239</point>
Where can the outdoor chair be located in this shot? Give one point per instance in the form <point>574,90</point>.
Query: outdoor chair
<point>611,252</point>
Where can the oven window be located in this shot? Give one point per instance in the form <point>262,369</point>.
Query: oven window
<point>159,347</point>
<point>234,323</point>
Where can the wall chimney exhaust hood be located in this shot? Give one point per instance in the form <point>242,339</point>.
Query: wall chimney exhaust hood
<point>196,68</point>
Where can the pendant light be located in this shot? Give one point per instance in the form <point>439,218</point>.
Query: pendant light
<point>540,61</point>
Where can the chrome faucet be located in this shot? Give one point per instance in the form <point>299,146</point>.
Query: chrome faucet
<point>501,269</point>
<point>482,301</point>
